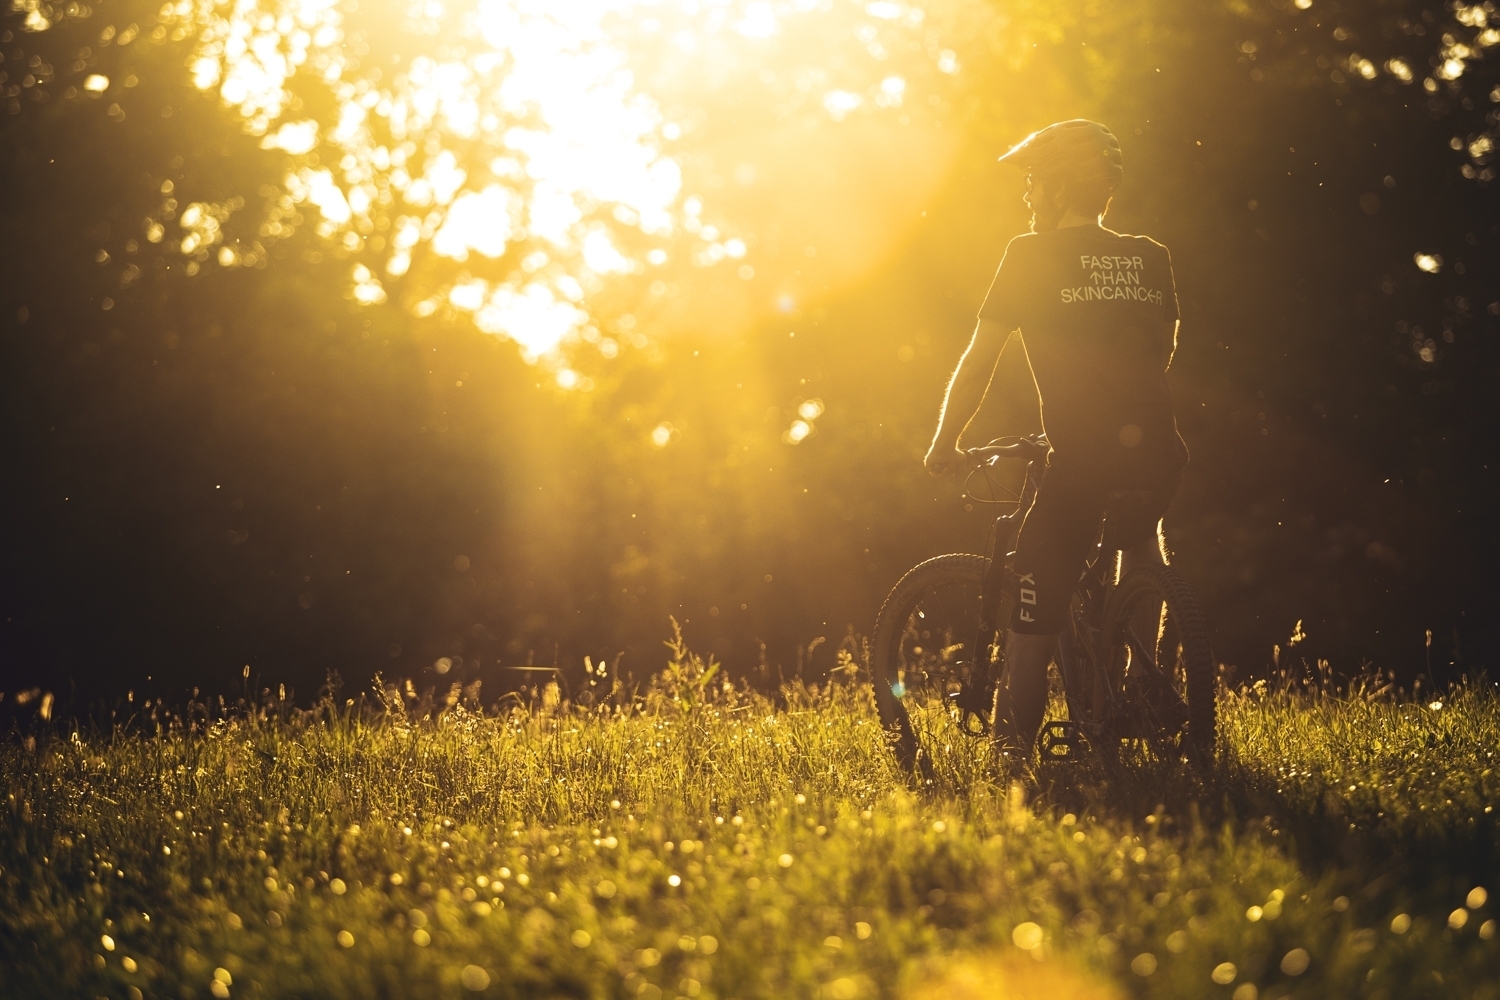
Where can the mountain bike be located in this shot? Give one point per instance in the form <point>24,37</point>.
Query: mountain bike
<point>1135,658</point>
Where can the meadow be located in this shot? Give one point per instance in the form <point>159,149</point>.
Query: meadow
<point>696,839</point>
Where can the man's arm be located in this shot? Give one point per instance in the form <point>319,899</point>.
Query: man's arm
<point>965,392</point>
<point>1169,339</point>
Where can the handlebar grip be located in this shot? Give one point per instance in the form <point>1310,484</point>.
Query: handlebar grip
<point>1030,448</point>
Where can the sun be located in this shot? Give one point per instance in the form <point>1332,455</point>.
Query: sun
<point>509,161</point>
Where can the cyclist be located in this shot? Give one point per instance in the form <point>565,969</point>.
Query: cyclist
<point>1097,316</point>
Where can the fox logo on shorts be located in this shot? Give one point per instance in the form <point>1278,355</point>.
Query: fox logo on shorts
<point>1028,595</point>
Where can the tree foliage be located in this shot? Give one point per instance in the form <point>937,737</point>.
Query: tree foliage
<point>220,451</point>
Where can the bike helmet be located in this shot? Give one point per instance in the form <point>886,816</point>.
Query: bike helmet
<point>1080,149</point>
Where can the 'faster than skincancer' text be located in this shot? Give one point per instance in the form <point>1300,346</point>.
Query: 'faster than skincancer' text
<point>1111,278</point>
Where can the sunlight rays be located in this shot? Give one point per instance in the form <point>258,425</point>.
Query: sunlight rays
<point>500,160</point>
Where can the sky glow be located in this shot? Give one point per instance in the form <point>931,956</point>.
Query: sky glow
<point>510,175</point>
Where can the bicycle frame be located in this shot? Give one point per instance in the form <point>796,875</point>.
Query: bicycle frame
<point>975,699</point>
<point>1107,653</point>
<point>1076,644</point>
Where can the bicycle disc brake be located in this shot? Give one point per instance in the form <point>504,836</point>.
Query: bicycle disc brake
<point>968,706</point>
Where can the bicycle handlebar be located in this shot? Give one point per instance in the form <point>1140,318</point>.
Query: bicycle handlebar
<point>1030,448</point>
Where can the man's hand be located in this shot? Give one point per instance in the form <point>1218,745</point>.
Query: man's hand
<point>943,458</point>
<point>964,394</point>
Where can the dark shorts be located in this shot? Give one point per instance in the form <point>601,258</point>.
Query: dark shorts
<point>1062,528</point>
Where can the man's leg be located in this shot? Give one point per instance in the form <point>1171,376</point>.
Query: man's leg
<point>1051,551</point>
<point>1151,551</point>
<point>1020,707</point>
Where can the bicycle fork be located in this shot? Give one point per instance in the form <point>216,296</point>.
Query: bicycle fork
<point>975,699</point>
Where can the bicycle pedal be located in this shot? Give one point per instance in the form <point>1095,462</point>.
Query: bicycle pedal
<point>1061,741</point>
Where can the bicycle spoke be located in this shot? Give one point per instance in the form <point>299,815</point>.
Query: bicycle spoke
<point>931,658</point>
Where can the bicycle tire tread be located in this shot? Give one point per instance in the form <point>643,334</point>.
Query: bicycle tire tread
<point>952,567</point>
<point>964,566</point>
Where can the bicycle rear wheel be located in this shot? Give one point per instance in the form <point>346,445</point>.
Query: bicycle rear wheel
<point>928,644</point>
<point>1158,663</point>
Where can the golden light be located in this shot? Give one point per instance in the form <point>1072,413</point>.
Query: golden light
<point>514,162</point>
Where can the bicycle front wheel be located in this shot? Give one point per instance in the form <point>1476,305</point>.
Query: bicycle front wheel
<point>928,644</point>
<point>1158,663</point>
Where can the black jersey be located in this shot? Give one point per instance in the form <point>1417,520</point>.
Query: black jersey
<point>1095,309</point>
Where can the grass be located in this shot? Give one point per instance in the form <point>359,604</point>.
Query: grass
<point>701,841</point>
